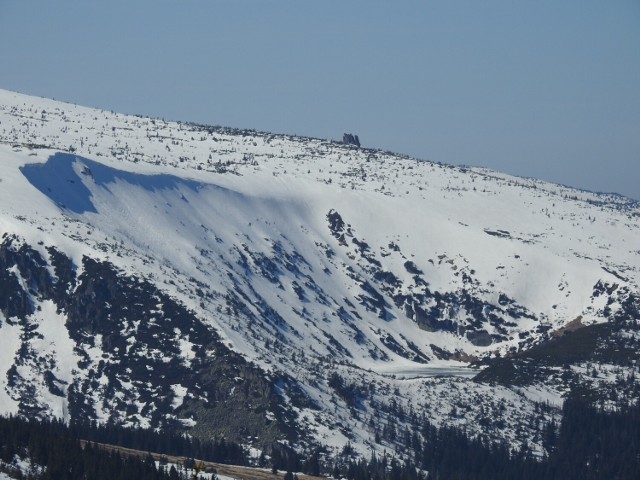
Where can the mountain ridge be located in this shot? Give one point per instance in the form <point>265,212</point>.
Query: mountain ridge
<point>313,258</point>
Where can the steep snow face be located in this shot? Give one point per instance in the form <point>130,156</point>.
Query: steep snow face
<point>300,250</point>
<point>320,237</point>
<point>288,262</point>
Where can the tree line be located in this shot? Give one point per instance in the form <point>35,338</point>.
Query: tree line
<point>590,443</point>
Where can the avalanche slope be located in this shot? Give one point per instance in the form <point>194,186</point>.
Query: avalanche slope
<point>362,283</point>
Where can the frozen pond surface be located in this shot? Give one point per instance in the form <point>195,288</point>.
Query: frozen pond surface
<point>419,371</point>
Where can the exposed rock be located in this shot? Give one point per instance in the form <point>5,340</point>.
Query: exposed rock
<point>351,139</point>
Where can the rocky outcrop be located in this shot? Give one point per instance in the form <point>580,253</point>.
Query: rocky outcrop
<point>350,139</point>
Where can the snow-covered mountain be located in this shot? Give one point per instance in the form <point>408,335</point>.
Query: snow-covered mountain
<point>175,275</point>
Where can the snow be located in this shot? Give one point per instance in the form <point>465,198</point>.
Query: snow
<point>190,472</point>
<point>435,369</point>
<point>10,335</point>
<point>542,394</point>
<point>180,392</point>
<point>22,466</point>
<point>191,208</point>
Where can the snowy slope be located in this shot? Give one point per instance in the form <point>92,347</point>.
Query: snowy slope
<point>302,253</point>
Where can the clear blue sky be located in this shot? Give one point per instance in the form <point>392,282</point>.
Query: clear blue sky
<point>548,89</point>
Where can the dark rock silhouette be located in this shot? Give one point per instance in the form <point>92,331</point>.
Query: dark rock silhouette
<point>350,139</point>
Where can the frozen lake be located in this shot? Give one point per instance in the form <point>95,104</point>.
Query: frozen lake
<point>430,371</point>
